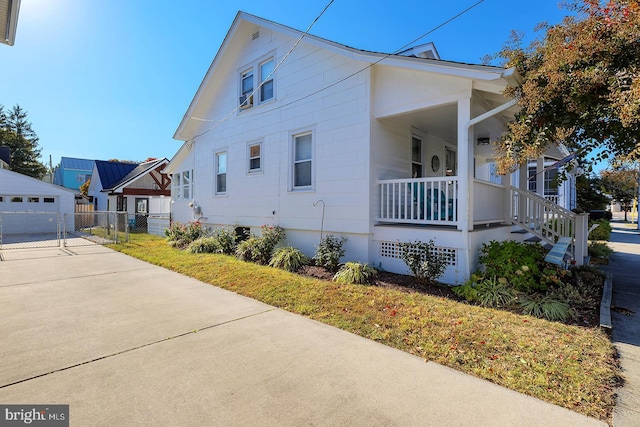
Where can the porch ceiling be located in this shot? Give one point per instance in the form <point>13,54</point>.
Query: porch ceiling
<point>442,121</point>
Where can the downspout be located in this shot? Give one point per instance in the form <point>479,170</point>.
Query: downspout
<point>466,228</point>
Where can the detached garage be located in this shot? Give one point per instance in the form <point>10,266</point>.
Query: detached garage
<point>31,206</point>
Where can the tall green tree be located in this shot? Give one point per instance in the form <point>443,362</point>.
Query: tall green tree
<point>590,193</point>
<point>580,85</point>
<point>16,133</point>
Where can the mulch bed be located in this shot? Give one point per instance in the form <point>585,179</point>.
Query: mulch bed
<point>587,317</point>
<point>385,279</point>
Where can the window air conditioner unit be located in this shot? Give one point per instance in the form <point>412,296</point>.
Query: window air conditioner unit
<point>246,101</point>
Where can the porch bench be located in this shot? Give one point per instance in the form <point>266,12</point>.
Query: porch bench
<point>557,253</point>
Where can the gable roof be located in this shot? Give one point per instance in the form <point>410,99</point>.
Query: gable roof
<point>78,164</point>
<point>112,172</point>
<point>136,173</point>
<point>423,57</point>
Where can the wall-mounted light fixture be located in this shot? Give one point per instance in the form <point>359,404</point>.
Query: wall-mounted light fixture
<point>483,141</point>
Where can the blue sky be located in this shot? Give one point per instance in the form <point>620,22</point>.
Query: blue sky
<point>103,79</point>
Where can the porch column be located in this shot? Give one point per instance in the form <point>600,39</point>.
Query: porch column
<point>465,166</point>
<point>540,176</point>
<point>523,185</point>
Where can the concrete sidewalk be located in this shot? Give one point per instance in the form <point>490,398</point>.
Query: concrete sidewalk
<point>624,266</point>
<point>127,343</point>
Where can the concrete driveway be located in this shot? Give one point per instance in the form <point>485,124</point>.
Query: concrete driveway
<point>124,342</point>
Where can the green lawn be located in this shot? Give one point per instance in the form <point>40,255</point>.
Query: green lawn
<point>566,365</point>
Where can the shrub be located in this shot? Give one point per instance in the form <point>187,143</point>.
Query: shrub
<point>355,273</point>
<point>599,250</point>
<point>519,263</point>
<point>423,259</point>
<point>602,231</point>
<point>329,252</point>
<point>288,258</point>
<point>545,306</point>
<point>180,235</point>
<point>259,248</point>
<point>226,239</point>
<point>208,245</point>
<point>494,292</point>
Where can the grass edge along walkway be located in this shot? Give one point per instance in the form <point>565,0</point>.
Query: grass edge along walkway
<point>565,365</point>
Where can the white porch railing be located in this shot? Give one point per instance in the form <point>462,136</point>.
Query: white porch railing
<point>488,203</point>
<point>540,216</point>
<point>419,200</point>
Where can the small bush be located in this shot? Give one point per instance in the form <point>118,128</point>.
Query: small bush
<point>545,306</point>
<point>226,239</point>
<point>602,231</point>
<point>355,273</point>
<point>204,245</point>
<point>288,258</point>
<point>259,248</point>
<point>329,252</point>
<point>495,293</point>
<point>424,260</point>
<point>599,250</point>
<point>181,235</point>
<point>519,263</point>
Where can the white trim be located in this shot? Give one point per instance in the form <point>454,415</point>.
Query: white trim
<point>292,138</point>
<point>250,144</point>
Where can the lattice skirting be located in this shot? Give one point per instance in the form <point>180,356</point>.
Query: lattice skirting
<point>392,250</point>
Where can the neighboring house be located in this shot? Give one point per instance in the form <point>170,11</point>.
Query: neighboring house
<point>144,191</point>
<point>8,21</point>
<point>22,193</point>
<point>72,172</point>
<point>104,175</point>
<point>378,148</point>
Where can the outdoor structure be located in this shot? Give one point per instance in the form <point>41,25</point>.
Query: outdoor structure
<point>72,172</point>
<point>322,139</point>
<point>31,206</point>
<point>8,21</point>
<point>142,191</point>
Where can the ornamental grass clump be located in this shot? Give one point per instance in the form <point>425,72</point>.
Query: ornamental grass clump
<point>288,258</point>
<point>355,273</point>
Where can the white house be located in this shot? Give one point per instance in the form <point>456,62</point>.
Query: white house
<point>30,206</point>
<point>387,147</point>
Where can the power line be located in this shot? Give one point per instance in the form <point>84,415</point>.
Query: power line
<point>385,56</point>
<point>236,109</point>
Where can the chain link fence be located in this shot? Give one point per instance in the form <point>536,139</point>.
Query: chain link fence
<point>95,227</point>
<point>30,230</point>
<point>23,230</point>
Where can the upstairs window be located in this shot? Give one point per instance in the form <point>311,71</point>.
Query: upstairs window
<point>266,78</point>
<point>257,74</point>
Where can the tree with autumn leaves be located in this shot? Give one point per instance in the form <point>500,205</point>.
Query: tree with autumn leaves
<point>580,86</point>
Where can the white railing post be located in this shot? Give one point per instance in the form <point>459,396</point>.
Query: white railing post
<point>581,238</point>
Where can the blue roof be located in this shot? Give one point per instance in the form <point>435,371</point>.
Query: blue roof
<point>112,172</point>
<point>136,172</point>
<point>78,164</point>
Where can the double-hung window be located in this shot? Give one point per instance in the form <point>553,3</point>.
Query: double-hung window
<point>221,172</point>
<point>302,161</point>
<point>186,185</point>
<point>266,79</point>
<point>257,74</point>
<point>255,157</point>
<point>176,186</point>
